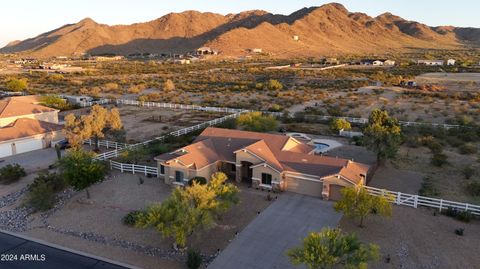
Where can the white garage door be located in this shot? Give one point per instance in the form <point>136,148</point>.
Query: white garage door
<point>5,150</point>
<point>28,145</point>
<point>305,187</point>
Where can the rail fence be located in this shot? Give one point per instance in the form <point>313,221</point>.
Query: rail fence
<point>134,168</point>
<point>106,143</point>
<point>413,200</point>
<point>115,153</point>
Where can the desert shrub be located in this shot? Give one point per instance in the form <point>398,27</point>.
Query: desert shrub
<point>459,231</point>
<point>157,148</point>
<point>339,124</point>
<point>460,215</point>
<point>194,259</point>
<point>473,188</point>
<point>358,141</point>
<point>228,124</point>
<point>427,188</point>
<point>199,180</point>
<point>52,179</point>
<point>274,85</point>
<point>454,141</point>
<point>439,159</point>
<point>11,173</point>
<point>131,218</point>
<point>257,122</point>
<point>41,197</point>
<point>468,171</point>
<point>468,148</point>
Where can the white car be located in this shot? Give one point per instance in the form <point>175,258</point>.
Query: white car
<point>299,136</point>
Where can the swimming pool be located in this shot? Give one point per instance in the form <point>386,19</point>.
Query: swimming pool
<point>320,147</point>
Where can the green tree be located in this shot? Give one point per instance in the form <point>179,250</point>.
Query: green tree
<point>17,85</point>
<point>330,248</point>
<point>193,208</point>
<point>274,85</point>
<point>80,170</point>
<point>338,124</point>
<point>382,135</point>
<point>55,101</point>
<point>257,122</point>
<point>356,202</point>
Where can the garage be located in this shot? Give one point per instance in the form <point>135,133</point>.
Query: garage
<point>28,145</point>
<point>304,186</point>
<point>5,150</point>
<point>335,193</point>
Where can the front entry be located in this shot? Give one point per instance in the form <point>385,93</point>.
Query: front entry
<point>246,172</point>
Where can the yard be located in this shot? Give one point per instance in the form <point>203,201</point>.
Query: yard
<point>75,225</point>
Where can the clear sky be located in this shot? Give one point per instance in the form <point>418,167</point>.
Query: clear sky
<point>20,19</point>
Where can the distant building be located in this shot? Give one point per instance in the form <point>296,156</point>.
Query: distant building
<point>377,62</point>
<point>451,62</point>
<point>389,62</point>
<point>107,58</point>
<point>77,100</point>
<point>255,50</point>
<point>182,61</point>
<point>206,51</point>
<point>296,38</point>
<point>431,62</point>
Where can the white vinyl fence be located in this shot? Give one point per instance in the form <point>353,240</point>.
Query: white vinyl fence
<point>106,143</point>
<point>115,153</point>
<point>134,168</point>
<point>413,200</point>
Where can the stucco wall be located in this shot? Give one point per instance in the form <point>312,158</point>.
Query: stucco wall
<point>247,157</point>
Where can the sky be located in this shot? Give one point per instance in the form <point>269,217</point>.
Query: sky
<point>21,19</point>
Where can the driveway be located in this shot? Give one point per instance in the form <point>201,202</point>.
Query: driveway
<point>32,161</point>
<point>283,225</point>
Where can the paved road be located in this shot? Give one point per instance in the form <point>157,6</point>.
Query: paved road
<point>12,248</point>
<point>32,161</point>
<point>283,225</point>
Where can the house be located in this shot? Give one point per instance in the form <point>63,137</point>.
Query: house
<point>255,50</point>
<point>389,63</point>
<point>26,126</point>
<point>431,62</point>
<point>266,161</point>
<point>377,62</point>
<point>182,61</point>
<point>206,51</point>
<point>451,62</point>
<point>296,38</point>
<point>77,100</point>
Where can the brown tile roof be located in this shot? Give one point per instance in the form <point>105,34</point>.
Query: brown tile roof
<point>27,127</point>
<point>216,144</point>
<point>13,108</point>
<point>30,99</point>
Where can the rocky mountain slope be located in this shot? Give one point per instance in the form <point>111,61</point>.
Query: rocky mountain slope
<point>327,30</point>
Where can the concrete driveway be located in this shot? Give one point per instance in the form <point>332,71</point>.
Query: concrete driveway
<point>283,225</point>
<point>32,161</point>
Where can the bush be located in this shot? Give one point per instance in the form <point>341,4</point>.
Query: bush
<point>194,259</point>
<point>468,171</point>
<point>131,218</point>
<point>358,141</point>
<point>439,159</point>
<point>11,173</point>
<point>339,124</point>
<point>52,179</point>
<point>468,148</point>
<point>199,180</point>
<point>41,196</point>
<point>473,188</point>
<point>464,216</point>
<point>459,231</point>
<point>428,189</point>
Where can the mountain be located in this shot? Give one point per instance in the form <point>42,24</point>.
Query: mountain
<point>326,30</point>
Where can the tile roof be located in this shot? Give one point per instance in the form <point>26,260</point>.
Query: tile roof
<point>11,107</point>
<point>26,127</point>
<point>216,144</point>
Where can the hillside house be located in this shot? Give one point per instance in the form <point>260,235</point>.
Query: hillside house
<point>377,62</point>
<point>266,161</point>
<point>255,50</point>
<point>451,62</point>
<point>26,126</point>
<point>206,51</point>
<point>431,62</point>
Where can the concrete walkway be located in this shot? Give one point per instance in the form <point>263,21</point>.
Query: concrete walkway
<point>283,225</point>
<point>32,161</point>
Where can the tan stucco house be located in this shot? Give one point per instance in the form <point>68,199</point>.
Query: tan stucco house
<point>26,126</point>
<point>267,161</point>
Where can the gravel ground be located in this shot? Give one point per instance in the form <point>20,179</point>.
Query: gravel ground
<point>415,238</point>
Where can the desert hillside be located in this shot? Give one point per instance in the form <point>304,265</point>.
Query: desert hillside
<point>326,30</point>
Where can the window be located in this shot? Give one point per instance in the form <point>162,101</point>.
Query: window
<point>266,179</point>
<point>162,170</point>
<point>179,176</point>
<point>234,167</point>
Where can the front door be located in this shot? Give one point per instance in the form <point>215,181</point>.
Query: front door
<point>179,176</point>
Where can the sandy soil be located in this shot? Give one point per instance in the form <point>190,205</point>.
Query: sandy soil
<point>113,199</point>
<point>415,238</point>
<point>143,123</point>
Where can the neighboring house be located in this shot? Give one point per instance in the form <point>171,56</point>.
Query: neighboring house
<point>431,62</point>
<point>77,100</point>
<point>255,50</point>
<point>377,62</point>
<point>26,126</point>
<point>182,61</point>
<point>451,62</point>
<point>389,62</point>
<point>206,51</point>
<point>267,161</point>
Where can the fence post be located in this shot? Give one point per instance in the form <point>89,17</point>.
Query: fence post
<point>133,169</point>
<point>111,167</point>
<point>121,167</point>
<point>441,205</point>
<point>466,207</point>
<point>415,201</point>
<point>145,170</point>
<point>398,197</point>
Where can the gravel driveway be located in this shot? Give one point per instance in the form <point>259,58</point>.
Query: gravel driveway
<point>283,225</point>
